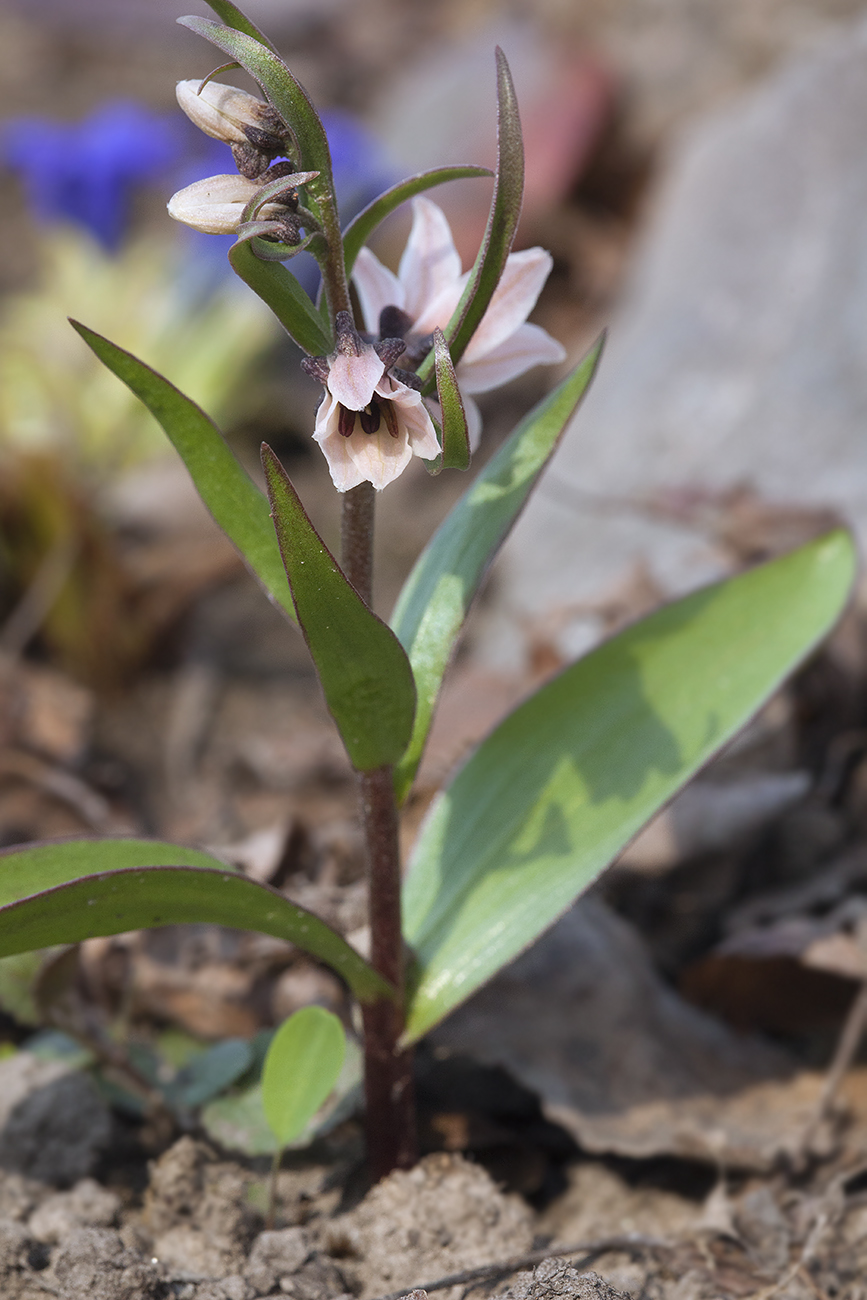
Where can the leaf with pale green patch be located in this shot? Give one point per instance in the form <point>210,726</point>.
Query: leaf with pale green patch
<point>364,671</point>
<point>302,1066</point>
<point>226,489</point>
<point>500,231</point>
<point>437,594</point>
<point>565,782</point>
<point>362,226</point>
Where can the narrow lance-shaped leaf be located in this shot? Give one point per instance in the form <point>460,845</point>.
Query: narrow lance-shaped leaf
<point>287,95</point>
<point>30,868</point>
<point>362,226</point>
<point>565,782</point>
<point>229,493</point>
<point>456,436</point>
<point>279,288</point>
<point>364,671</point>
<point>500,231</point>
<point>142,897</point>
<point>437,594</point>
<point>231,15</point>
<point>302,1066</point>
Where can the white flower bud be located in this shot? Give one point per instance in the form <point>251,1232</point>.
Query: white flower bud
<point>215,205</point>
<point>223,111</point>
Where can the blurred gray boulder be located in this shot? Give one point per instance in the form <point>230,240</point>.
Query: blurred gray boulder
<point>739,354</point>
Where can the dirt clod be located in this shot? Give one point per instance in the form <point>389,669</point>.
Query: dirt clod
<point>555,1280</point>
<point>94,1262</point>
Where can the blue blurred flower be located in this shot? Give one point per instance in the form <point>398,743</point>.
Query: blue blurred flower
<point>85,172</point>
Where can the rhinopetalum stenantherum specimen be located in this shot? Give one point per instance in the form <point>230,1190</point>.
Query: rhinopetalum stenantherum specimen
<point>562,784</point>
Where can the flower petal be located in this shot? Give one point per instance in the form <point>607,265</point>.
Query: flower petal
<point>214,205</point>
<point>529,346</point>
<point>430,261</point>
<point>377,287</point>
<point>220,111</point>
<point>413,417</point>
<point>353,379</point>
<point>514,298</point>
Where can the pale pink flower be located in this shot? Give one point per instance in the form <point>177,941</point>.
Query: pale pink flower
<point>428,287</point>
<point>370,423</point>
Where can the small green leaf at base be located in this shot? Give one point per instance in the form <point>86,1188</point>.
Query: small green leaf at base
<point>564,783</point>
<point>302,1066</point>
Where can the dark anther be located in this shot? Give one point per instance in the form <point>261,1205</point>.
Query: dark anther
<point>370,416</point>
<point>316,368</point>
<point>418,346</point>
<point>345,422</point>
<point>408,377</point>
<point>390,419</point>
<point>393,323</point>
<point>265,141</point>
<point>388,350</point>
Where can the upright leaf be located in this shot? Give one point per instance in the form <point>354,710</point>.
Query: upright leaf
<point>229,493</point>
<point>560,787</point>
<point>362,226</point>
<point>364,671</point>
<point>432,607</point>
<point>142,897</point>
<point>302,1066</point>
<point>456,437</point>
<point>231,15</point>
<point>500,231</point>
<point>287,95</point>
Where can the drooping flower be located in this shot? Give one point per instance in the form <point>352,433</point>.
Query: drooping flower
<point>215,206</point>
<point>370,422</point>
<point>255,131</point>
<point>428,287</point>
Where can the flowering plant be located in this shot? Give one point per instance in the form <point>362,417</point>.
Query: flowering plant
<point>562,784</point>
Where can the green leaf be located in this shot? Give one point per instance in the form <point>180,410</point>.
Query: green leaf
<point>437,594</point>
<point>231,15</point>
<point>209,1073</point>
<point>47,863</point>
<point>364,671</point>
<point>47,911</point>
<point>456,437</point>
<point>229,493</point>
<point>361,227</point>
<point>287,95</point>
<point>565,782</point>
<point>500,231</point>
<point>278,287</point>
<point>301,1069</point>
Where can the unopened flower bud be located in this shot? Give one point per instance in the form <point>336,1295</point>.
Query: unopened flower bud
<point>232,115</point>
<point>216,205</point>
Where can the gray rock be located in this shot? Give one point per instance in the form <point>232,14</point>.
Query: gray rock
<point>554,1279</point>
<point>93,1262</point>
<point>738,353</point>
<point>53,1124</point>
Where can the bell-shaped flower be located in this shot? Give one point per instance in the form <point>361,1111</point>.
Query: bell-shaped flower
<point>370,423</point>
<point>428,287</point>
<point>216,205</point>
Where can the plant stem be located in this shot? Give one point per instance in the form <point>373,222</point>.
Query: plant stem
<point>388,1084</point>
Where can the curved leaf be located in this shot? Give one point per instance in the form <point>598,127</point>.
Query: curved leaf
<point>231,15</point>
<point>302,1066</point>
<point>456,436</point>
<point>229,493</point>
<point>287,95</point>
<point>141,898</point>
<point>278,287</point>
<point>500,231</point>
<point>30,868</point>
<point>436,596</point>
<point>560,787</point>
<point>361,227</point>
<point>364,671</point>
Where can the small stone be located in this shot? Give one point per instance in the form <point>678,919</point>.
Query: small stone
<point>276,1256</point>
<point>93,1262</point>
